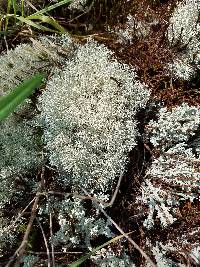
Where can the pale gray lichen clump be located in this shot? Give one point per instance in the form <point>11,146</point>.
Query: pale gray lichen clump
<point>106,257</point>
<point>183,33</point>
<point>17,138</point>
<point>174,175</point>
<point>195,253</point>
<point>133,29</point>
<point>160,253</point>
<point>174,126</point>
<point>86,225</point>
<point>19,64</point>
<point>30,260</point>
<point>77,4</point>
<point>183,23</point>
<point>28,59</point>
<point>185,247</point>
<point>88,111</point>
<point>88,115</point>
<point>20,155</point>
<point>7,237</point>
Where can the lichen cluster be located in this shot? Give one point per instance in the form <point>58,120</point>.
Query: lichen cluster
<point>81,128</point>
<point>87,116</point>
<point>88,112</point>
<point>174,174</point>
<point>183,34</point>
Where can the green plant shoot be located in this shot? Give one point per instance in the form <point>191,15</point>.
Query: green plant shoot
<point>9,102</point>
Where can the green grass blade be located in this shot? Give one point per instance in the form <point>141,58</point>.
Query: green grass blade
<point>34,25</point>
<point>8,11</point>
<point>45,19</point>
<point>14,4</point>
<point>51,7</point>
<point>9,102</point>
<point>22,8</point>
<point>49,21</point>
<point>87,256</point>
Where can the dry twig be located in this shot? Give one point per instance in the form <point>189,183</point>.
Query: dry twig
<point>45,242</point>
<point>106,204</point>
<point>16,258</point>
<point>51,233</point>
<point>22,248</point>
<point>20,215</point>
